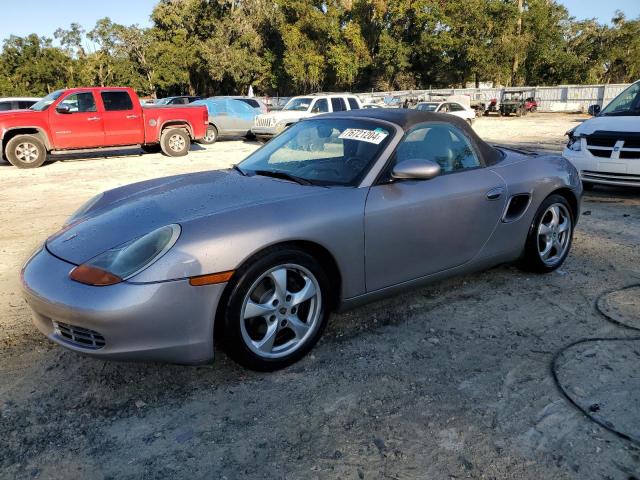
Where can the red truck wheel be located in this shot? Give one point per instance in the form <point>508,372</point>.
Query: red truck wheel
<point>175,142</point>
<point>26,151</point>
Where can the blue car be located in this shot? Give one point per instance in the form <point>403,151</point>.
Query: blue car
<point>227,117</point>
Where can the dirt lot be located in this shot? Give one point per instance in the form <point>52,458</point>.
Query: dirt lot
<point>450,381</point>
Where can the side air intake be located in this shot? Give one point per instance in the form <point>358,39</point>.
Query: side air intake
<point>517,206</point>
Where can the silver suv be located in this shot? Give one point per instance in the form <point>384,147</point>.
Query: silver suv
<point>271,124</point>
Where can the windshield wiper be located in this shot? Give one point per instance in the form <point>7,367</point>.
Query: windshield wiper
<point>283,175</point>
<point>238,169</point>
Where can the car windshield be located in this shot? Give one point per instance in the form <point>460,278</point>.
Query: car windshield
<point>427,107</point>
<point>321,151</point>
<point>44,103</point>
<point>298,104</point>
<point>627,103</point>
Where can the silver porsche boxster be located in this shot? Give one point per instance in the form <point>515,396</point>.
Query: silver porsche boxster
<point>337,210</point>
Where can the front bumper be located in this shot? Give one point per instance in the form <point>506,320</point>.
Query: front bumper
<point>267,131</point>
<point>604,171</point>
<point>167,321</point>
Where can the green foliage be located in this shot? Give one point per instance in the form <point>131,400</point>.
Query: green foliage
<point>294,46</point>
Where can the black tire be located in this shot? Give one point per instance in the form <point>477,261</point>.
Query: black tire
<point>485,113</point>
<point>587,185</point>
<point>211,136</point>
<point>151,148</point>
<point>26,151</point>
<point>239,288</point>
<point>531,260</point>
<point>519,112</point>
<point>175,142</point>
<point>533,109</point>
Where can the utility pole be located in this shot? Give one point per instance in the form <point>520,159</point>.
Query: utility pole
<point>516,56</point>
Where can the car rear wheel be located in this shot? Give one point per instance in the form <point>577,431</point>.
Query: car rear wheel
<point>211,136</point>
<point>277,309</point>
<point>26,151</point>
<point>175,142</point>
<point>550,236</point>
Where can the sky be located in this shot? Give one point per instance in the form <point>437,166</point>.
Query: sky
<point>22,17</point>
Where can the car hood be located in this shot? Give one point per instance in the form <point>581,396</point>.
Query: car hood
<point>11,114</point>
<point>608,124</point>
<point>129,212</point>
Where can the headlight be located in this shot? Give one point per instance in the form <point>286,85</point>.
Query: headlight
<point>84,209</point>
<point>125,261</point>
<point>575,143</point>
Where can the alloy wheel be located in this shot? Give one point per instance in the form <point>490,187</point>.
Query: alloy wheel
<point>554,234</point>
<point>27,152</point>
<point>177,142</point>
<point>281,311</point>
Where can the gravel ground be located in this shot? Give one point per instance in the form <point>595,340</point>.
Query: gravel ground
<point>449,381</point>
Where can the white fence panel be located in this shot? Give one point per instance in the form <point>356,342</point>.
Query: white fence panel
<point>562,98</point>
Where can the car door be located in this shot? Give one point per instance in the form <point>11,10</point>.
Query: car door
<point>415,228</point>
<point>123,122</point>
<point>321,105</point>
<point>221,118</point>
<point>338,104</point>
<point>81,126</point>
<point>242,115</point>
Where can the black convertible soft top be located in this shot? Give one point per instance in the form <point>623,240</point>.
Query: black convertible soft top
<point>407,118</point>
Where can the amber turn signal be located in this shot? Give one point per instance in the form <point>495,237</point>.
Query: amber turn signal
<point>93,276</point>
<point>211,279</point>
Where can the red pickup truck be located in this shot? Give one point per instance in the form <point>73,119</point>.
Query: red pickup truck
<point>79,119</point>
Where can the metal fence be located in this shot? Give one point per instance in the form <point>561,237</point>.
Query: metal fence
<point>562,98</point>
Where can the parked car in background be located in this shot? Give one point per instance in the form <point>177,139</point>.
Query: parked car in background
<point>338,210</point>
<point>606,148</point>
<point>372,105</point>
<point>95,118</point>
<point>180,100</point>
<point>16,103</point>
<point>271,124</point>
<point>227,117</point>
<point>452,108</point>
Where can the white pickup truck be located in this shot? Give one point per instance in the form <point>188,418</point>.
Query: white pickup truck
<point>606,148</point>
<point>270,124</point>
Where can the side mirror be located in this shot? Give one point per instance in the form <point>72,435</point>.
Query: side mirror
<point>416,169</point>
<point>63,108</point>
<point>594,110</point>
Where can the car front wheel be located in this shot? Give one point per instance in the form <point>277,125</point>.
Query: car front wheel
<point>26,151</point>
<point>277,309</point>
<point>550,235</point>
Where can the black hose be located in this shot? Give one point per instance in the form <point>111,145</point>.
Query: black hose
<point>554,364</point>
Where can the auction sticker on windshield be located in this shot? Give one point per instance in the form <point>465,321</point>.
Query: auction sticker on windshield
<point>371,136</point>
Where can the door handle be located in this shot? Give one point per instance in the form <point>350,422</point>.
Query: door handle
<point>495,193</point>
<point>132,116</point>
<point>93,119</point>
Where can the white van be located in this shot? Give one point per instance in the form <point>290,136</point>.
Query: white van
<point>606,148</point>
<point>271,124</point>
